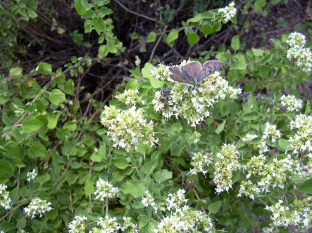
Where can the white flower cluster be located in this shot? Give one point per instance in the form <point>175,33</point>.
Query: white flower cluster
<point>193,102</point>
<point>291,103</point>
<point>4,197</point>
<point>249,137</point>
<point>148,200</point>
<point>107,225</point>
<point>249,189</point>
<point>270,131</point>
<point>105,190</point>
<point>228,12</point>
<point>130,97</point>
<point>269,173</point>
<point>77,225</point>
<point>128,128</point>
<point>200,163</point>
<point>37,207</point>
<point>31,175</point>
<point>161,72</point>
<point>301,141</point>
<point>226,164</point>
<point>182,218</point>
<point>296,214</point>
<point>297,51</point>
<point>129,226</point>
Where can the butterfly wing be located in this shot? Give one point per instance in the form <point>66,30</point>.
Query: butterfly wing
<point>177,75</point>
<point>209,68</point>
<point>190,71</point>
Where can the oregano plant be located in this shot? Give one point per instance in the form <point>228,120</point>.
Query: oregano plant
<point>175,149</point>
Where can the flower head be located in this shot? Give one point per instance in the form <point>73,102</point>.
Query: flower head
<point>107,225</point>
<point>4,197</point>
<point>194,102</point>
<point>31,175</point>
<point>228,12</point>
<point>77,225</point>
<point>37,207</point>
<point>105,190</point>
<point>128,128</point>
<point>129,97</point>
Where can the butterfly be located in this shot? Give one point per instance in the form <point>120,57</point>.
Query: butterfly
<point>194,72</point>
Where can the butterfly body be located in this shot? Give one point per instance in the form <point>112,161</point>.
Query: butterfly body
<point>193,72</point>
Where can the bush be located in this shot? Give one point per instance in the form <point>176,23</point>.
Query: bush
<point>177,149</point>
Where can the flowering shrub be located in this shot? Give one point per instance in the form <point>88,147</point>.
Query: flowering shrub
<point>163,156</point>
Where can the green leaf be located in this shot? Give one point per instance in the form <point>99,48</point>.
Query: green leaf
<point>88,14</point>
<point>214,207</point>
<point>297,179</point>
<point>88,26</point>
<point>80,6</point>
<point>6,226</point>
<point>111,46</point>
<point>132,84</point>
<point>70,125</point>
<point>173,35</point>
<point>69,150</point>
<point>16,72</point>
<point>98,24</point>
<point>251,116</point>
<point>103,51</point>
<point>146,72</point>
<point>44,68</point>
<point>257,52</point>
<point>135,188</point>
<point>285,144</point>
<point>235,43</point>
<point>216,27</point>
<point>52,214</point>
<point>149,167</point>
<point>264,71</point>
<point>162,175</point>
<point>4,98</point>
<point>32,14</point>
<point>6,120</point>
<point>121,163</point>
<point>192,38</point>
<point>206,28</point>
<point>105,11</point>
<point>60,30</point>
<point>220,127</point>
<point>306,187</point>
<point>52,120</point>
<point>195,19</point>
<point>21,223</point>
<point>176,150</point>
<point>57,97</point>
<point>259,4</point>
<point>251,105</point>
<point>267,58</point>
<point>151,37</point>
<point>31,124</point>
<point>69,87</point>
<point>95,157</point>
<point>6,168</point>
<point>37,150</point>
<point>134,35</point>
<point>241,65</point>
<point>102,152</point>
<point>88,188</point>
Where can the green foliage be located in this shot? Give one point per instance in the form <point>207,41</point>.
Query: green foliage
<point>234,168</point>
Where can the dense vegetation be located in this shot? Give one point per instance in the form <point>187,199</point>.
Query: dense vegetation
<point>115,119</point>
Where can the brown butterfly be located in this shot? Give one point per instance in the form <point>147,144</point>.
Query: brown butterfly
<point>194,72</point>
